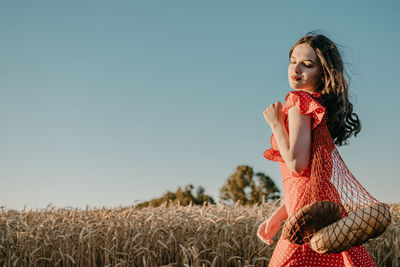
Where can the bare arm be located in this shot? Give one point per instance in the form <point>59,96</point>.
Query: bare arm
<point>280,214</point>
<point>294,149</point>
<point>267,230</point>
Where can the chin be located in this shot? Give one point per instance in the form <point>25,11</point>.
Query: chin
<point>293,86</point>
<point>296,87</point>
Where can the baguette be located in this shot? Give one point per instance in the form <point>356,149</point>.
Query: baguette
<point>352,230</point>
<point>301,226</point>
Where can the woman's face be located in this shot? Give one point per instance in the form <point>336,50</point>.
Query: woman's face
<point>304,70</point>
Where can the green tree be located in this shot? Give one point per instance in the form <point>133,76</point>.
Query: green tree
<point>181,196</point>
<point>241,187</point>
<point>265,190</point>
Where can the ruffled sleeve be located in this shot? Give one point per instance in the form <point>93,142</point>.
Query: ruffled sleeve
<point>273,152</point>
<point>306,104</point>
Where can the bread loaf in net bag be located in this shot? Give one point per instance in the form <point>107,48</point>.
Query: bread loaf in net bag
<point>336,212</point>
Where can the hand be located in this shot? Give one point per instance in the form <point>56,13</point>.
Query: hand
<point>273,114</point>
<point>267,230</point>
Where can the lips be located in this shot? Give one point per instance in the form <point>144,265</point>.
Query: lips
<point>295,77</point>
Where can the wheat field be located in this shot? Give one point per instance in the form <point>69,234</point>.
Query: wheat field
<point>208,235</point>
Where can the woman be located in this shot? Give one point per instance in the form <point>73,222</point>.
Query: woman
<point>320,96</point>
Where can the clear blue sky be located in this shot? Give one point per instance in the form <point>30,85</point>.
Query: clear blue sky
<point>106,102</point>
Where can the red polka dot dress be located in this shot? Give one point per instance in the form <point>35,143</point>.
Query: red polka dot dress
<point>294,186</point>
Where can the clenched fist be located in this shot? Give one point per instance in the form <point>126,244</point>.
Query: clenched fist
<point>274,115</point>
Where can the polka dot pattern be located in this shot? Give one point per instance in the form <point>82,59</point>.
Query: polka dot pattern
<point>294,187</point>
<point>288,254</point>
<point>306,104</point>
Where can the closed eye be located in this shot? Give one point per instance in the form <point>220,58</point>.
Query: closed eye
<point>308,66</point>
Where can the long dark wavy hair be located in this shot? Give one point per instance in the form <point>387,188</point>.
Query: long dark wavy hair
<point>342,122</point>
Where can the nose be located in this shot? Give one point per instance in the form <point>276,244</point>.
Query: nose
<point>297,68</point>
